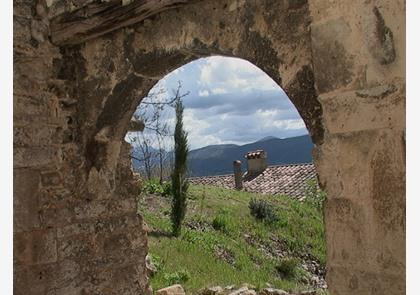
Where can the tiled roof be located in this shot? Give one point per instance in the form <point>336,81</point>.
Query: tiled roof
<point>289,180</point>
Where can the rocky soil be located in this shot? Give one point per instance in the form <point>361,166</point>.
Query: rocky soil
<point>275,248</point>
<point>245,289</point>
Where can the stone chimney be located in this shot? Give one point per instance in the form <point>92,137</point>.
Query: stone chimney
<point>237,172</point>
<point>256,162</point>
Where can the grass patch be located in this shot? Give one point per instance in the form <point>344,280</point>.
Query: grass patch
<point>223,244</point>
<point>288,267</point>
<point>223,222</point>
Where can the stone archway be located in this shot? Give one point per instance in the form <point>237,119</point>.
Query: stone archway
<point>342,65</point>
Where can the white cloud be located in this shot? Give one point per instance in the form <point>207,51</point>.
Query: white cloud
<point>219,91</point>
<point>233,75</point>
<point>267,114</point>
<point>289,124</point>
<point>203,93</point>
<point>196,128</point>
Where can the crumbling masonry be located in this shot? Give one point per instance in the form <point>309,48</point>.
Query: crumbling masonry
<point>82,66</point>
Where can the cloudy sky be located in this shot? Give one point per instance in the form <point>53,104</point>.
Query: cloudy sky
<point>231,101</point>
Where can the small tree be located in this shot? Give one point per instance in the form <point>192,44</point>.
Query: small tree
<point>150,146</point>
<point>179,180</point>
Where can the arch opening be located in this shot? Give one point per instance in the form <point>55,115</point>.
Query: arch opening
<point>231,108</point>
<point>132,63</point>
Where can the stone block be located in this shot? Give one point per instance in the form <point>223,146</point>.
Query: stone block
<point>84,241</point>
<point>56,206</point>
<point>364,282</point>
<point>133,240</point>
<point>21,28</point>
<point>34,279</point>
<point>343,164</point>
<point>77,247</point>
<point>56,214</point>
<point>75,229</point>
<point>36,156</point>
<point>22,9</point>
<point>333,63</point>
<point>38,69</point>
<point>375,108</point>
<point>388,181</point>
<point>118,278</point>
<point>36,135</point>
<point>351,236</point>
<point>171,290</point>
<point>91,210</point>
<point>36,247</point>
<point>104,208</point>
<point>28,109</point>
<point>33,106</point>
<point>118,224</point>
<point>25,199</point>
<point>51,179</point>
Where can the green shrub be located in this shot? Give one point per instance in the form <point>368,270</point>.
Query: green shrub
<point>154,187</point>
<point>178,277</point>
<point>222,222</point>
<point>262,210</point>
<point>167,189</point>
<point>288,267</point>
<point>314,195</point>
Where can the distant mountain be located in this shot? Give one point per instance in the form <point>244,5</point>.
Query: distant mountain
<point>217,159</point>
<point>267,138</point>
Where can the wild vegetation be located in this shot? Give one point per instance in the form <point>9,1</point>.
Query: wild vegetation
<point>224,242</point>
<point>152,154</point>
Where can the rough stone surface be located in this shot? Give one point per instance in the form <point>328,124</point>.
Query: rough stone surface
<point>272,291</point>
<point>247,289</point>
<point>171,290</point>
<point>218,290</point>
<point>342,63</point>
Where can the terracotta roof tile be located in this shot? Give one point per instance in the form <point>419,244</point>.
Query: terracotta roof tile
<point>289,180</point>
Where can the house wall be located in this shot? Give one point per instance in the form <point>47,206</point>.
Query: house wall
<point>256,165</point>
<point>341,63</point>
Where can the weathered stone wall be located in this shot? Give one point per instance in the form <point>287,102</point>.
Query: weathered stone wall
<point>40,154</point>
<point>75,227</point>
<point>359,66</point>
<point>75,223</point>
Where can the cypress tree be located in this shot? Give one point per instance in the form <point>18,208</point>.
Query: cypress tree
<point>179,173</point>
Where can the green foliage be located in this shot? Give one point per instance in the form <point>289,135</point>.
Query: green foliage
<point>178,277</point>
<point>314,195</point>
<point>153,186</point>
<point>156,261</point>
<point>288,267</point>
<point>262,210</point>
<point>179,180</point>
<point>297,230</point>
<point>204,240</point>
<point>167,189</point>
<point>222,222</point>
